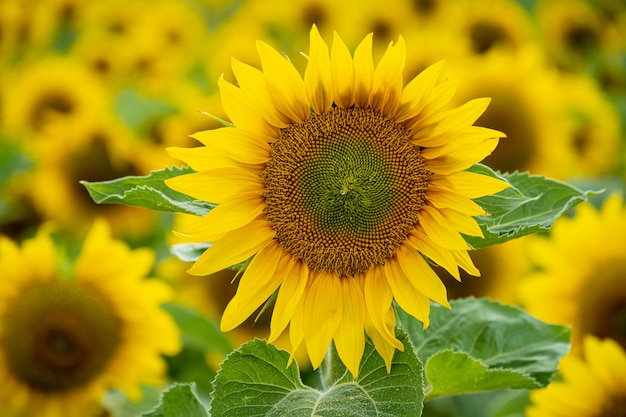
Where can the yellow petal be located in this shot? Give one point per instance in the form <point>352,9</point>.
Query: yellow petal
<point>236,246</point>
<point>460,159</point>
<point>439,97</point>
<point>387,83</point>
<point>408,298</point>
<point>231,214</point>
<point>384,349</point>
<point>289,296</point>
<point>469,184</point>
<point>206,159</point>
<point>296,327</point>
<point>363,72</point>
<point>415,94</point>
<point>257,284</point>
<point>217,185</point>
<point>442,198</point>
<point>317,74</point>
<point>284,84</point>
<point>350,335</point>
<point>241,110</point>
<point>378,300</point>
<point>465,262</point>
<point>423,278</point>
<point>252,82</point>
<point>439,230</point>
<point>462,222</point>
<point>436,253</point>
<point>322,314</point>
<point>341,73</point>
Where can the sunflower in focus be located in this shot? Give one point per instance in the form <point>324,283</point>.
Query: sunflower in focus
<point>591,387</point>
<point>582,285</point>
<point>70,331</point>
<point>337,188</point>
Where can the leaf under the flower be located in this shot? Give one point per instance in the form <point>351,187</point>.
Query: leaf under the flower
<point>178,401</point>
<point>503,346</point>
<point>147,191</point>
<point>255,381</point>
<point>532,204</point>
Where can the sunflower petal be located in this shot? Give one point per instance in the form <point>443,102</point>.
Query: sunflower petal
<point>317,74</point>
<point>378,301</point>
<point>468,184</point>
<point>408,298</point>
<point>252,83</point>
<point>257,284</point>
<point>241,110</point>
<point>387,83</point>
<point>350,336</point>
<point>442,257</point>
<point>341,73</point>
<point>322,314</point>
<point>363,72</point>
<point>423,278</point>
<point>289,296</point>
<point>284,83</point>
<point>414,95</point>
<point>439,229</point>
<point>217,185</point>
<point>236,246</point>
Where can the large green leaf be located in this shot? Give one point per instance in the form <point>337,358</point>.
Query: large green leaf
<point>532,204</point>
<point>147,191</point>
<point>482,345</point>
<point>255,381</point>
<point>178,401</point>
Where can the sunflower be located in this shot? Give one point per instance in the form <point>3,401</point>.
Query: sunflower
<point>582,285</point>
<point>92,326</point>
<point>593,387</point>
<point>336,186</point>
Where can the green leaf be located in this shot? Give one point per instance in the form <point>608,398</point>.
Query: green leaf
<point>255,381</point>
<point>189,252</point>
<point>148,191</point>
<point>12,161</point>
<point>178,401</point>
<point>490,337</point>
<point>532,204</point>
<point>450,372</point>
<point>198,332</point>
<point>137,111</point>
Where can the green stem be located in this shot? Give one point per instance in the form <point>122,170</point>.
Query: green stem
<point>332,369</point>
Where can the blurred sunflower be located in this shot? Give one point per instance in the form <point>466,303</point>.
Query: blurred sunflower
<point>526,104</point>
<point>591,387</point>
<point>492,24</point>
<point>53,94</point>
<point>69,331</point>
<point>336,185</point>
<point>581,285</point>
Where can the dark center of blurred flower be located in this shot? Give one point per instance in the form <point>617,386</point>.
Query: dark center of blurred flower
<point>425,7</point>
<point>486,35</point>
<point>616,408</point>
<point>52,104</point>
<point>603,302</point>
<point>507,114</point>
<point>581,38</point>
<point>59,335</point>
<point>343,189</point>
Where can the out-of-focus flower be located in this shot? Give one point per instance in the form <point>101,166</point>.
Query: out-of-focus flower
<point>580,278</point>
<point>335,185</point>
<point>591,387</point>
<point>70,330</point>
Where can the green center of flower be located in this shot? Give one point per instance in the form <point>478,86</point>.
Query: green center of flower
<point>603,302</point>
<point>59,335</point>
<point>343,189</point>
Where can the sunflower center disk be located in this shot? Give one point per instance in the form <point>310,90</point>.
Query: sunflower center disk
<point>60,335</point>
<point>343,189</point>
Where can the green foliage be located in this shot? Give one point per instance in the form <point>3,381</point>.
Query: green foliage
<point>532,204</point>
<point>147,191</point>
<point>482,345</point>
<point>256,381</point>
<point>178,401</point>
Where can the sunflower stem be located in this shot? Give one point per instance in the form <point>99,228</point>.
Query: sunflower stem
<point>332,368</point>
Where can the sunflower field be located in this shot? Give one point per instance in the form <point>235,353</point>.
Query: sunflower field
<point>236,208</point>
